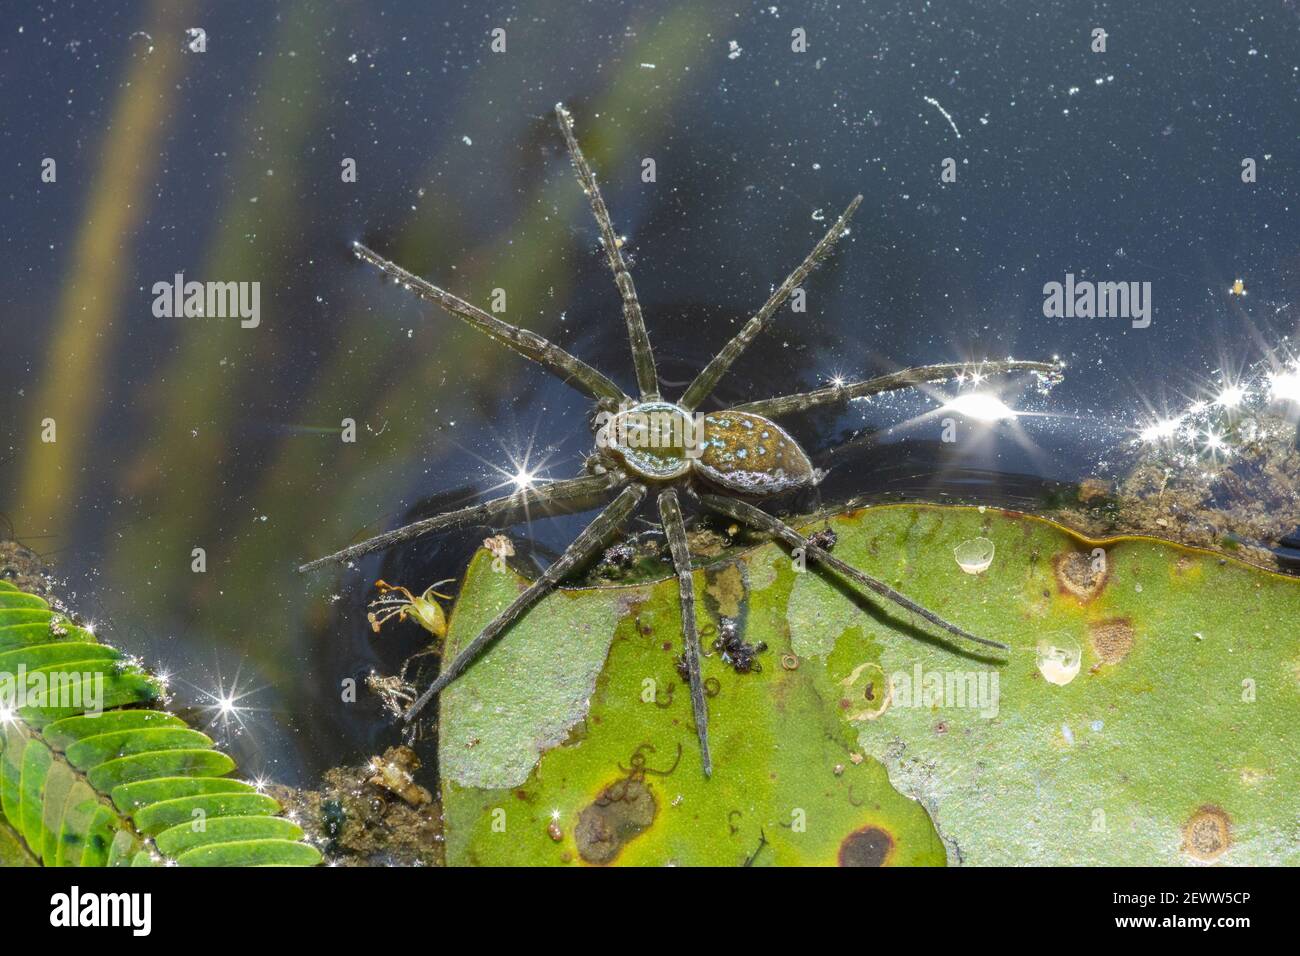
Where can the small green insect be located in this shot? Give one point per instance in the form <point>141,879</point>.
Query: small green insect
<point>398,602</point>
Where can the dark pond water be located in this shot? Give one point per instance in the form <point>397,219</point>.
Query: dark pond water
<point>181,433</point>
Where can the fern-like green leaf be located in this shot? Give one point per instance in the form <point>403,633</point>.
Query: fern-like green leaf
<point>126,786</point>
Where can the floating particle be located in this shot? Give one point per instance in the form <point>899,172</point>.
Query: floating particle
<point>1059,660</point>
<point>733,50</point>
<point>974,556</point>
<point>946,115</point>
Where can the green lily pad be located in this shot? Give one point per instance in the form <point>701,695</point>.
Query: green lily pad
<point>1145,713</point>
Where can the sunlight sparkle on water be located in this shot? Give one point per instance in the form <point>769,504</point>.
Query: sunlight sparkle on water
<point>225,707</point>
<point>1162,430</point>
<point>1285,386</point>
<point>980,406</point>
<point>1231,396</point>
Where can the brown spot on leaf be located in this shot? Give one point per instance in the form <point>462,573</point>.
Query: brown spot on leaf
<point>1111,639</point>
<point>870,846</point>
<point>727,587</point>
<point>1208,833</point>
<point>1077,574</point>
<point>623,811</point>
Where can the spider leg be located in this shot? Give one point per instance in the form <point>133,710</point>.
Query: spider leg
<point>583,547</point>
<point>717,367</point>
<point>801,402</point>
<point>642,356</point>
<point>571,491</point>
<point>571,369</point>
<point>748,514</point>
<point>670,513</point>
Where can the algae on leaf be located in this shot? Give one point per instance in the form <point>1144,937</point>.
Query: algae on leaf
<point>1145,714</point>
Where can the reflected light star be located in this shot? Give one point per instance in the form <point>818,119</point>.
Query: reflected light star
<point>1214,443</point>
<point>1231,396</point>
<point>224,705</point>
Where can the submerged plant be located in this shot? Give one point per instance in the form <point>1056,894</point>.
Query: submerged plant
<point>722,460</point>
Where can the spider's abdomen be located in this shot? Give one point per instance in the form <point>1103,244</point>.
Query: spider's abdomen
<point>752,455</point>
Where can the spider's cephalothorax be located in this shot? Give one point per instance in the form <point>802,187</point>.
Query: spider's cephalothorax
<point>734,451</point>
<point>723,460</point>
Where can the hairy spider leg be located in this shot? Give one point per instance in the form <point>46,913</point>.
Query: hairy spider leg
<point>571,369</point>
<point>757,518</point>
<point>670,513</point>
<point>583,547</point>
<point>699,389</point>
<point>906,378</point>
<point>642,355</point>
<point>575,493</point>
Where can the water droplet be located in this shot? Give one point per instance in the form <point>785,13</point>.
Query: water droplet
<point>975,555</point>
<point>1059,659</point>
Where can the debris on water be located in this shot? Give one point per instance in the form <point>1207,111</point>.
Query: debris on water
<point>735,650</point>
<point>358,823</point>
<point>24,569</point>
<point>824,539</point>
<point>395,772</point>
<point>499,546</point>
<point>974,556</point>
<point>1243,498</point>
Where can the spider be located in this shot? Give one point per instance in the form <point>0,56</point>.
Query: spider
<point>722,460</point>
